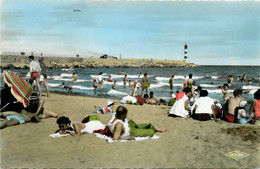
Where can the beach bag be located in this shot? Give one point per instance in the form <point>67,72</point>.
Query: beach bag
<point>90,118</point>
<point>140,100</point>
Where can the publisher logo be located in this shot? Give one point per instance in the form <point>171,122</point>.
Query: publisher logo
<point>236,154</point>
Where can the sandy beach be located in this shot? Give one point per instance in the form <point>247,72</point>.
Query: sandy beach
<point>187,143</point>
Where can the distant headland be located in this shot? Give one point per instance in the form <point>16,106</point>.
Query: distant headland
<point>21,62</point>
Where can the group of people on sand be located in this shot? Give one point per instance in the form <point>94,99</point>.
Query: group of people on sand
<point>119,127</point>
<point>199,106</point>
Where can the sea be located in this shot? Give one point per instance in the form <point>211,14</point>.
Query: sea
<point>208,77</point>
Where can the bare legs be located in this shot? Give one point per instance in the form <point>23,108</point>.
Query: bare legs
<point>47,89</point>
<point>8,123</point>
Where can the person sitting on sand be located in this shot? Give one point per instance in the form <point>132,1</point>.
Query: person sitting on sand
<point>181,107</point>
<point>77,129</point>
<point>203,108</point>
<point>231,105</point>
<point>68,87</point>
<point>225,93</point>
<point>151,100</point>
<point>14,118</point>
<point>254,112</point>
<point>125,129</point>
<point>145,84</point>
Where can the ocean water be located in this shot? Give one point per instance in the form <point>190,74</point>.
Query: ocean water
<point>208,77</point>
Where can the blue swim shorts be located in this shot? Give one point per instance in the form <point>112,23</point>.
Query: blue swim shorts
<point>17,117</point>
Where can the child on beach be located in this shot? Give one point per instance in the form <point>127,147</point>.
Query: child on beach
<point>145,84</point>
<point>225,93</point>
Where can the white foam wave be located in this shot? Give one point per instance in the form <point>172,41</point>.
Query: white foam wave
<point>66,75</point>
<point>208,85</point>
<point>82,87</point>
<point>53,84</point>
<point>215,77</point>
<point>251,87</point>
<point>116,92</point>
<point>68,69</point>
<point>217,91</point>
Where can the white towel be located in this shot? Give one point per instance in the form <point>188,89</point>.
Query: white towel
<point>110,140</point>
<point>57,135</point>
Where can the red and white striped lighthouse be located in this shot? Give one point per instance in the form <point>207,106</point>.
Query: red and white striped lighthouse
<point>185,52</point>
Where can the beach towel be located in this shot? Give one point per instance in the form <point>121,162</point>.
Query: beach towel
<point>110,140</point>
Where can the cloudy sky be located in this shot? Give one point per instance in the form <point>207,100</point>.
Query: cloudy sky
<point>217,33</point>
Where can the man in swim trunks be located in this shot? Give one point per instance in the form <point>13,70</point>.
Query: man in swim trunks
<point>35,70</point>
<point>145,84</point>
<point>13,118</point>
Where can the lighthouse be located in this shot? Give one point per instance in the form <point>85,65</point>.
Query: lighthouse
<point>185,52</point>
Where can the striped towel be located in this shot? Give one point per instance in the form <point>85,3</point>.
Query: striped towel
<point>20,88</point>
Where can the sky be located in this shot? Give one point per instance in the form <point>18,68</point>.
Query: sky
<point>216,32</point>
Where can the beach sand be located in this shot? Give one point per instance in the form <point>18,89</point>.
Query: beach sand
<point>187,143</point>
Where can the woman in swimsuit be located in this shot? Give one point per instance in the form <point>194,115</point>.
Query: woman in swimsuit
<point>13,118</point>
<point>76,129</point>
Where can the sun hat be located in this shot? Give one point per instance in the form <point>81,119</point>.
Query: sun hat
<point>109,103</point>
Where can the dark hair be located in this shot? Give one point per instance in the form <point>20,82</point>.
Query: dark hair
<point>257,94</point>
<point>172,75</point>
<point>121,112</point>
<point>225,85</point>
<point>186,90</point>
<point>100,73</point>
<point>203,93</point>
<point>237,92</point>
<point>190,75</point>
<point>31,57</point>
<point>145,74</point>
<point>145,96</point>
<point>63,120</point>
